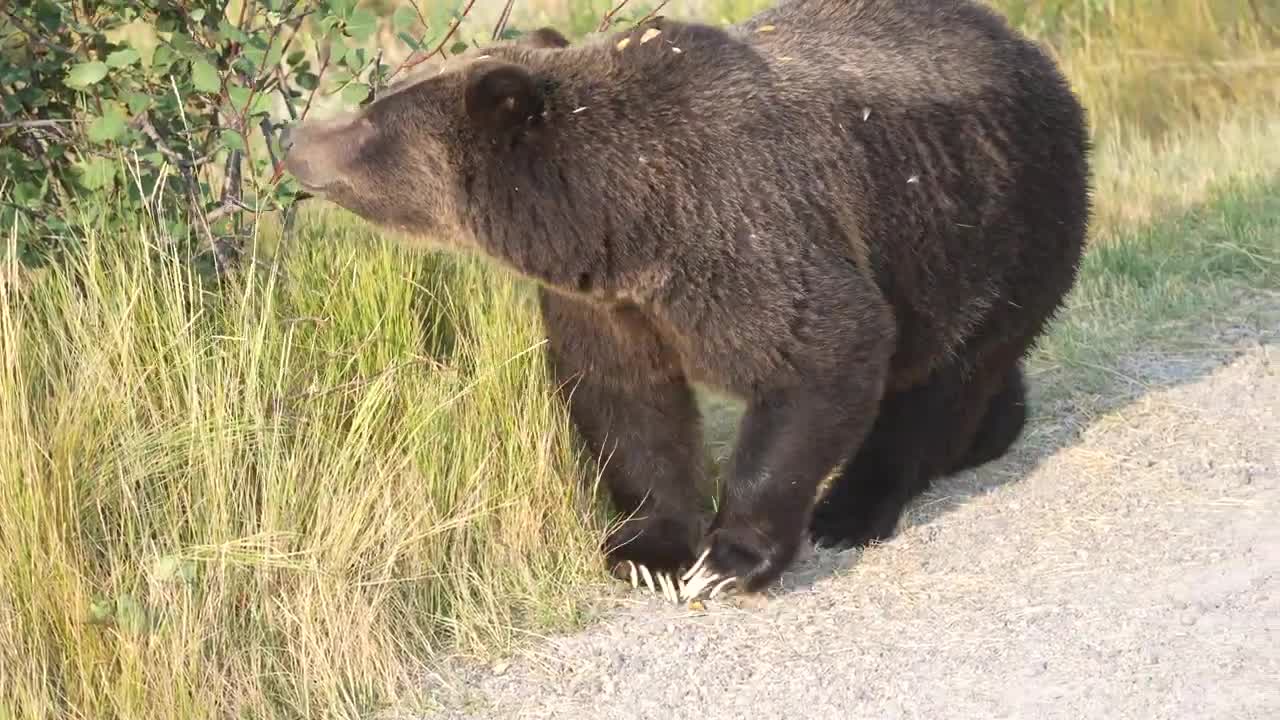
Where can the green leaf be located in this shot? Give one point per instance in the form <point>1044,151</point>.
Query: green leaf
<point>97,173</point>
<point>355,93</point>
<point>404,17</point>
<point>341,76</point>
<point>458,48</point>
<point>197,15</point>
<point>231,32</point>
<point>131,616</point>
<point>109,127</point>
<point>171,568</point>
<point>186,46</point>
<point>162,59</point>
<point>83,75</point>
<point>165,568</point>
<point>251,60</point>
<point>232,140</point>
<point>413,42</point>
<point>138,102</point>
<point>205,77</point>
<point>101,612</point>
<point>274,54</point>
<point>123,58</point>
<point>240,98</point>
<point>362,24</point>
<point>295,57</point>
<point>344,7</point>
<point>337,50</point>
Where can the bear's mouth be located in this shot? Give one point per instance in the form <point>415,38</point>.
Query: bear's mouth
<point>317,154</point>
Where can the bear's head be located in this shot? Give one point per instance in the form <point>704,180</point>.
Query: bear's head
<point>399,162</point>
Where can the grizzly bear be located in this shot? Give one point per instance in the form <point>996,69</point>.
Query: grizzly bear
<point>857,216</point>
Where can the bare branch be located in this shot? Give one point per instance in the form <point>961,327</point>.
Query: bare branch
<point>31,124</point>
<point>324,65</point>
<point>503,19</point>
<point>412,61</point>
<point>653,13</point>
<point>608,17</point>
<point>143,122</point>
<point>269,135</point>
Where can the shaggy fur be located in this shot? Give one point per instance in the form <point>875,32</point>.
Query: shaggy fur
<point>855,215</point>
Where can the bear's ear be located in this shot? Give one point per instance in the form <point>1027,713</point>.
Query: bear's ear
<point>501,97</point>
<point>545,37</point>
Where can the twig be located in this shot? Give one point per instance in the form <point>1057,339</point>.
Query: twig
<point>142,121</point>
<point>29,212</point>
<point>231,183</point>
<point>608,17</point>
<point>653,13</point>
<point>324,65</point>
<point>35,34</point>
<point>503,19</point>
<point>411,61</point>
<point>30,124</point>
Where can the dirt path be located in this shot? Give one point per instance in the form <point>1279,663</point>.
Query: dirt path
<point>1119,566</point>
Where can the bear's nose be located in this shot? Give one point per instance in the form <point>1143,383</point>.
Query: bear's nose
<point>320,154</point>
<point>300,158</point>
<point>286,138</point>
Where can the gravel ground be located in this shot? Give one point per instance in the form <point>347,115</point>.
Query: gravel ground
<point>1123,564</point>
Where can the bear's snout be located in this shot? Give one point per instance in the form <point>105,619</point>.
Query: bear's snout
<point>321,154</point>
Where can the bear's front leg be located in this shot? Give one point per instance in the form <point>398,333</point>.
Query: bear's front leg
<point>789,442</point>
<point>637,416</point>
<point>803,418</point>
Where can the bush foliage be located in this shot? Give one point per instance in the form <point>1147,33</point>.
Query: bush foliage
<point>172,109</point>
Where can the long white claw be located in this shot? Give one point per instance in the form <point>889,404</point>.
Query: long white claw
<point>698,584</point>
<point>696,566</point>
<point>716,590</point>
<point>648,579</point>
<point>668,588</point>
<point>635,581</point>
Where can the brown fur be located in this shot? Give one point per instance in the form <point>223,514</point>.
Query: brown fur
<point>856,215</point>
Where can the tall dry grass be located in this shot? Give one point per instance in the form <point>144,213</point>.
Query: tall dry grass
<point>280,500</point>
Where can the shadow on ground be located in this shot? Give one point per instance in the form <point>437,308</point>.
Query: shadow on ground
<point>1175,342</point>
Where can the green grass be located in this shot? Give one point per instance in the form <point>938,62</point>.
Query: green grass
<point>280,500</point>
<point>289,497</point>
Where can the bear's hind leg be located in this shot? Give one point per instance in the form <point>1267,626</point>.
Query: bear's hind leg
<point>638,418</point>
<point>917,436</point>
<point>1001,425</point>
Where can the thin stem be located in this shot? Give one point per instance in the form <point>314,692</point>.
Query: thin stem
<point>503,19</point>
<point>608,17</point>
<point>411,61</point>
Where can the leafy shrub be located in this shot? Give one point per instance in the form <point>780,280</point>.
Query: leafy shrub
<point>172,109</point>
